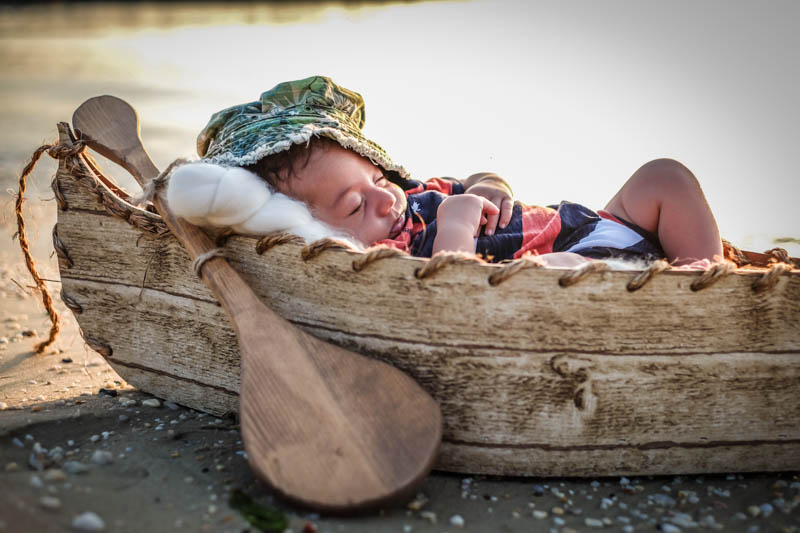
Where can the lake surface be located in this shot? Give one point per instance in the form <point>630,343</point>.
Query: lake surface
<point>565,99</point>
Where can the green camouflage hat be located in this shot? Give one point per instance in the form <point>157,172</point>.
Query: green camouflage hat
<point>290,113</point>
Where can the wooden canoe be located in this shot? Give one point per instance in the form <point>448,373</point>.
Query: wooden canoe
<point>534,378</point>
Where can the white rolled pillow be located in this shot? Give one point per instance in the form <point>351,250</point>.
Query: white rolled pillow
<point>213,196</point>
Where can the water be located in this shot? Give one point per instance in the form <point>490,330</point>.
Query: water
<point>564,99</point>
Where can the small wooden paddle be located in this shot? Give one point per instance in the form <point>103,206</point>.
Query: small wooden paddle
<point>324,426</point>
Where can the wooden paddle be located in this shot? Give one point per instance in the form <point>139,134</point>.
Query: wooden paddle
<point>325,427</point>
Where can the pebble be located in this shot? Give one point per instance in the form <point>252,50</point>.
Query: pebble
<point>754,510</point>
<point>94,438</point>
<point>38,460</point>
<point>593,522</point>
<point>151,402</point>
<point>56,474</point>
<point>669,528</point>
<point>18,443</point>
<point>4,407</point>
<point>88,521</point>
<point>557,511</point>
<point>56,454</point>
<point>50,502</point>
<point>171,406</point>
<point>558,521</point>
<point>682,520</point>
<point>457,520</point>
<point>766,509</point>
<point>11,467</point>
<point>627,529</point>
<point>540,515</point>
<point>430,516</point>
<point>36,482</point>
<point>75,467</point>
<point>663,500</point>
<point>102,457</point>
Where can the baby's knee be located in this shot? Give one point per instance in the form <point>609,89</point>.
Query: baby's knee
<point>668,174</point>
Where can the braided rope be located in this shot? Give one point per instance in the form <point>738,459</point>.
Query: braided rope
<point>71,303</point>
<point>317,247</point>
<point>54,150</point>
<point>376,253</point>
<point>712,275</point>
<point>643,277</point>
<point>61,249</point>
<point>267,242</point>
<point>444,259</point>
<point>55,185</point>
<point>577,274</point>
<point>770,278</point>
<point>780,255</point>
<point>508,270</point>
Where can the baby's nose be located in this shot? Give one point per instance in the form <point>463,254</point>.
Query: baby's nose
<point>385,201</point>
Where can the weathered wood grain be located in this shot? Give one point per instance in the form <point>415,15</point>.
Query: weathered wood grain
<point>532,378</point>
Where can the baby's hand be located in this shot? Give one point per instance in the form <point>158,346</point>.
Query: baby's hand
<point>459,219</point>
<point>494,189</point>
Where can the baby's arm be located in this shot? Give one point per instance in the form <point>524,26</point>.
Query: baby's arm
<point>458,220</point>
<point>495,189</point>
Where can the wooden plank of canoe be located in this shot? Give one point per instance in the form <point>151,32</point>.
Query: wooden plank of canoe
<point>493,402</point>
<point>506,402</point>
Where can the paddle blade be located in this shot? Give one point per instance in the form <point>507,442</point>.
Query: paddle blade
<point>333,431</point>
<point>110,126</point>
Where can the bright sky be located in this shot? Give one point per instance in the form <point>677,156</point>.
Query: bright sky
<point>563,98</point>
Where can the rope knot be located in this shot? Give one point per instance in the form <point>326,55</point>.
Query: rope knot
<point>64,151</point>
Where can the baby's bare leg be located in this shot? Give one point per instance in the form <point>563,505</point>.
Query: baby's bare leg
<point>664,197</point>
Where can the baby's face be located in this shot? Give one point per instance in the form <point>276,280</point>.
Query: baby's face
<point>349,193</point>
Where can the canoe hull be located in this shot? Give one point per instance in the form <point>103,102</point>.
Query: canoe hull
<point>532,378</point>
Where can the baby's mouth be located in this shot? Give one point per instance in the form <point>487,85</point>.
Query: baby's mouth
<point>397,227</point>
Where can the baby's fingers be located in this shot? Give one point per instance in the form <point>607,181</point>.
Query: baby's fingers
<point>506,210</point>
<point>492,214</point>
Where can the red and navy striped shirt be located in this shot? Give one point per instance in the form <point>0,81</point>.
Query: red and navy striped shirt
<point>536,230</point>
